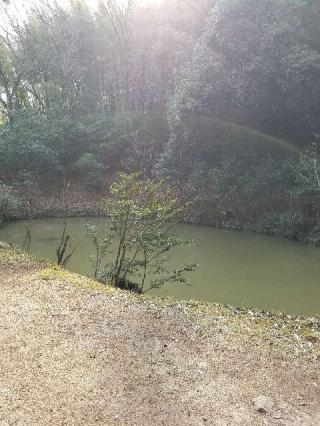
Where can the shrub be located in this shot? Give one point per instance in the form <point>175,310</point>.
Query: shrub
<point>142,212</point>
<point>10,203</point>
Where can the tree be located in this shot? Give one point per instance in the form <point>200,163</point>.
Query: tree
<point>64,251</point>
<point>11,93</point>
<point>308,171</point>
<point>10,203</point>
<point>142,213</point>
<point>258,64</point>
<point>101,247</point>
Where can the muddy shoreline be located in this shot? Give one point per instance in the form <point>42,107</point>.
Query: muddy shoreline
<point>82,204</point>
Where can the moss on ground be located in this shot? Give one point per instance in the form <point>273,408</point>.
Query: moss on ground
<point>10,255</point>
<point>252,324</point>
<point>55,273</point>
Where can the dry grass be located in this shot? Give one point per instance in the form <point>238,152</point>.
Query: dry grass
<point>76,353</point>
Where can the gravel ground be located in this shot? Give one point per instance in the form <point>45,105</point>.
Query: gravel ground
<point>73,353</point>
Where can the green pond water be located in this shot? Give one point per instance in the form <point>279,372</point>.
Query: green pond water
<point>241,269</point>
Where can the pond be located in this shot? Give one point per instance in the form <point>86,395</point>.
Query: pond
<point>241,269</point>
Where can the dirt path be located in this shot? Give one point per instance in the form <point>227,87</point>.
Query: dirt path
<point>73,356</point>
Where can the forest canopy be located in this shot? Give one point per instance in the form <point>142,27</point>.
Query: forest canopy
<point>221,95</point>
<point>254,63</point>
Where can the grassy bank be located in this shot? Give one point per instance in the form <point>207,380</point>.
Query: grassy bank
<point>257,323</point>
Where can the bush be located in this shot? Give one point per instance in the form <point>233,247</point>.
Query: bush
<point>86,163</point>
<point>10,203</point>
<point>142,213</point>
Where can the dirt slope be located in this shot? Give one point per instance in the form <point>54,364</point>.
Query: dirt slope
<point>76,356</point>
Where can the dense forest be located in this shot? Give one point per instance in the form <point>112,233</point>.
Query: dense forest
<point>222,96</point>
